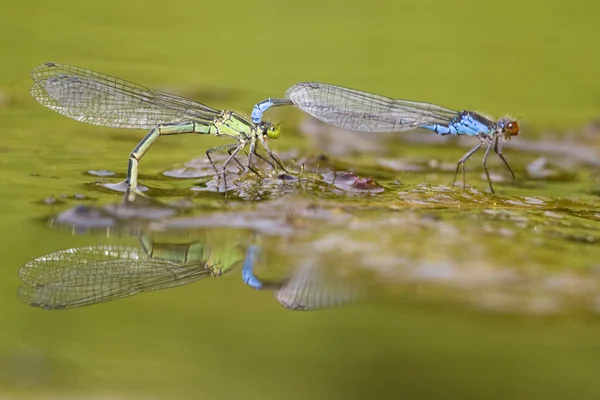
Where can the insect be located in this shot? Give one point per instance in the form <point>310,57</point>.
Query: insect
<point>100,99</point>
<point>367,112</point>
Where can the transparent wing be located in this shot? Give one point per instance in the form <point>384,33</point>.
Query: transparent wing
<point>314,288</point>
<point>366,112</point>
<point>96,274</point>
<point>100,99</point>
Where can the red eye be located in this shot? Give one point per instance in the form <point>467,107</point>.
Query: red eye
<point>512,128</point>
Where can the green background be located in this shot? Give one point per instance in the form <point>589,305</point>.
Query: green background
<point>536,60</point>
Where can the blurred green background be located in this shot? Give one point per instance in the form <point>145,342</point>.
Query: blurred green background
<point>535,60</point>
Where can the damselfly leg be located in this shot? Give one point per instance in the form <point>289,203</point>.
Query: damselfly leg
<point>461,162</point>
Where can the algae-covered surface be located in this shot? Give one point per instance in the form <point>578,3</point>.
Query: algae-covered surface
<point>380,278</point>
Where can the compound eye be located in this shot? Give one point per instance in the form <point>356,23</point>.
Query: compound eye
<point>512,128</point>
<point>273,132</point>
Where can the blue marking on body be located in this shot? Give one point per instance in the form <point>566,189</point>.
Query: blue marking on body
<point>259,109</point>
<point>477,124</point>
<point>442,129</point>
<point>465,123</point>
<point>248,269</point>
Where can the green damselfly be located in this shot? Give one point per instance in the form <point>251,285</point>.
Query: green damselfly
<point>100,99</point>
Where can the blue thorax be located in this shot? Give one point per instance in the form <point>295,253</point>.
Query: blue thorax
<point>465,123</point>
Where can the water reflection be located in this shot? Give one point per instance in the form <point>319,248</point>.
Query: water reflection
<point>310,287</point>
<point>518,254</point>
<point>139,255</point>
<point>305,174</point>
<point>95,274</point>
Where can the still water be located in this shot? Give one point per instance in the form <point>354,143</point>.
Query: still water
<point>379,279</point>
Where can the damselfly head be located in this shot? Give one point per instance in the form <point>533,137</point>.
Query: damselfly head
<point>271,131</point>
<point>509,126</point>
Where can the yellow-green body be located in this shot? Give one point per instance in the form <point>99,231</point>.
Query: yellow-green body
<point>100,99</point>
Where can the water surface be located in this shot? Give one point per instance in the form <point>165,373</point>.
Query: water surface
<point>462,292</point>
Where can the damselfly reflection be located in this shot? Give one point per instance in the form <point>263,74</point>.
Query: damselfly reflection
<point>96,274</point>
<point>311,286</point>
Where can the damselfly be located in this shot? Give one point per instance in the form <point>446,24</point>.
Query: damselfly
<point>366,112</point>
<point>100,99</point>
